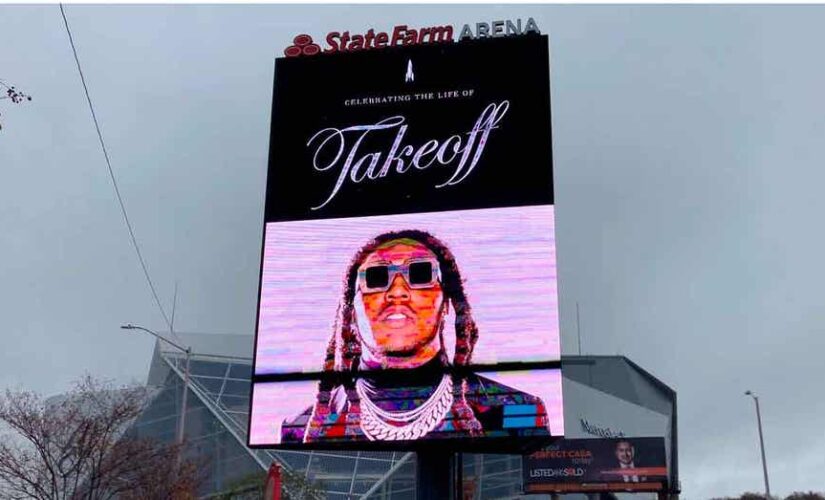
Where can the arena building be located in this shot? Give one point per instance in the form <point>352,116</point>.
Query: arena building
<point>604,396</point>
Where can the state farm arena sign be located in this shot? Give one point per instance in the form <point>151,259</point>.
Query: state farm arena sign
<point>403,35</point>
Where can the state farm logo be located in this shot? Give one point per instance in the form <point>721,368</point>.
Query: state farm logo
<point>303,46</point>
<point>403,35</point>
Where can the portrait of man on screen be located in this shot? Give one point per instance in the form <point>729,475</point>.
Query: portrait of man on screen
<point>387,375</point>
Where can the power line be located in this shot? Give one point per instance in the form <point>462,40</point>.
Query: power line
<point>112,174</point>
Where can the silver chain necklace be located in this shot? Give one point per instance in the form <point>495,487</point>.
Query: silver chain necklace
<point>384,425</point>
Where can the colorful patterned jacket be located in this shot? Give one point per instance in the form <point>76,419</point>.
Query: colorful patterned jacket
<point>501,410</point>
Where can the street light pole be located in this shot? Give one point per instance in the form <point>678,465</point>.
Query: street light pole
<point>182,426</point>
<point>761,443</point>
<point>188,352</point>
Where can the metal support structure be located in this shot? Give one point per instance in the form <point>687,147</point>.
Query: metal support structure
<point>182,422</point>
<point>230,425</point>
<point>354,473</point>
<point>234,430</point>
<point>263,458</point>
<point>187,386</point>
<point>761,443</point>
<point>383,479</point>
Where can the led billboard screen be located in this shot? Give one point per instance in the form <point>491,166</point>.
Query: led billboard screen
<point>578,465</point>
<point>408,287</point>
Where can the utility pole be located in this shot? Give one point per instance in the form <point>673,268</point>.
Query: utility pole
<point>761,443</point>
<point>188,352</point>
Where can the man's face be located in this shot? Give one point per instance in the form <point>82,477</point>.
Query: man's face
<point>404,319</point>
<point>624,452</point>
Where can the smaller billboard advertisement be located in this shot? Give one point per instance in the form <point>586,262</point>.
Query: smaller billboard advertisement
<point>620,464</point>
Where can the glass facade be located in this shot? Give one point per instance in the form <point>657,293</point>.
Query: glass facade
<point>218,408</point>
<point>216,421</point>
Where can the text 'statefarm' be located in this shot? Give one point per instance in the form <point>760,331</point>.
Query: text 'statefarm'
<point>404,35</point>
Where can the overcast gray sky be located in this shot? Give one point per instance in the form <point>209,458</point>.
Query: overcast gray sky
<point>688,147</point>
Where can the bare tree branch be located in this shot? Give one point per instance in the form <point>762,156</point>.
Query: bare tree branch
<point>76,446</point>
<point>11,92</point>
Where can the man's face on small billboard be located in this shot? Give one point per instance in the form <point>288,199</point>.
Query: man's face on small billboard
<point>402,297</point>
<point>624,452</point>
